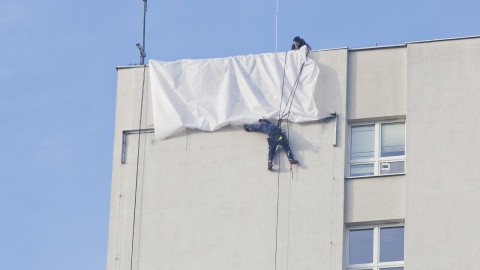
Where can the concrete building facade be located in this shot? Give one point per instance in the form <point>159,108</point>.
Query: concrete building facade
<point>389,184</point>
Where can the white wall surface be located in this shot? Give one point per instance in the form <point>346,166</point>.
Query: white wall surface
<point>129,94</point>
<point>206,200</point>
<point>376,91</point>
<point>374,200</point>
<point>442,188</point>
<point>376,83</point>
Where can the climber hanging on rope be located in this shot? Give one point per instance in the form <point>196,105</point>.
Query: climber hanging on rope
<point>276,137</point>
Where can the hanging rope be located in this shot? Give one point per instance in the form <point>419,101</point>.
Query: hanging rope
<point>282,115</point>
<point>138,162</point>
<point>278,201</point>
<point>283,84</point>
<point>293,92</point>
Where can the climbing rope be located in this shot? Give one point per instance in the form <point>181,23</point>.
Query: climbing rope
<point>283,84</point>
<point>137,168</point>
<point>282,115</point>
<point>293,92</point>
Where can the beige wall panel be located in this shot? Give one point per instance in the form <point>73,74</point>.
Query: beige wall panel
<point>376,83</point>
<point>375,199</point>
<point>442,188</point>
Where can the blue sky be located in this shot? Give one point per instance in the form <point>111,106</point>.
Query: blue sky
<point>58,83</point>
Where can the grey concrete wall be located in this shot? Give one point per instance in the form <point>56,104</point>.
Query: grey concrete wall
<point>377,88</point>
<point>375,200</point>
<point>376,83</point>
<point>442,188</point>
<point>206,200</point>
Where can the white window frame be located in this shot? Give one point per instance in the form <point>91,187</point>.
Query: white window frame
<point>377,159</point>
<point>376,264</point>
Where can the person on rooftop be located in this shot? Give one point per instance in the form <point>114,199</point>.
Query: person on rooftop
<point>276,137</point>
<point>298,42</point>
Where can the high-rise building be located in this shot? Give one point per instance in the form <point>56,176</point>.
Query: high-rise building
<point>388,184</point>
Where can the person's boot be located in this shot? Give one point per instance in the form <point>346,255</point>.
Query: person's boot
<point>270,166</point>
<point>290,158</point>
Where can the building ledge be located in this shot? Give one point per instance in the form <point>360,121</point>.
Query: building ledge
<point>374,176</point>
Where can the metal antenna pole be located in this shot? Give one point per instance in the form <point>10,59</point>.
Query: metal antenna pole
<point>276,29</point>
<point>142,47</point>
<point>144,19</point>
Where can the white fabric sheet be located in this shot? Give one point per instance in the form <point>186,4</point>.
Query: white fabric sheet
<point>211,93</point>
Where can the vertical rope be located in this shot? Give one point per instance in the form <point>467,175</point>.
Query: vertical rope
<point>138,162</point>
<point>332,250</point>
<point>283,84</point>
<point>276,27</point>
<point>288,224</point>
<point>280,117</point>
<point>294,89</point>
<point>278,202</point>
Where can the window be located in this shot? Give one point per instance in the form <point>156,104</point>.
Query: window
<point>375,248</point>
<point>377,149</point>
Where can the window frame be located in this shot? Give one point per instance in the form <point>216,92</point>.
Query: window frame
<point>377,159</point>
<point>376,264</point>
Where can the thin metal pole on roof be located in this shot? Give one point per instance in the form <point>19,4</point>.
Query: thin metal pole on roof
<point>276,28</point>
<point>142,47</point>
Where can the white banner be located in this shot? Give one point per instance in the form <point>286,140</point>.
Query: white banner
<point>211,93</point>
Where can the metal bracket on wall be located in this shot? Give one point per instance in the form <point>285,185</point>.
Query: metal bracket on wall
<point>125,133</point>
<point>335,117</point>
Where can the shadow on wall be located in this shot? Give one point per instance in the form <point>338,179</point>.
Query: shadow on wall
<point>352,81</point>
<point>327,94</point>
<point>328,99</point>
<point>300,145</point>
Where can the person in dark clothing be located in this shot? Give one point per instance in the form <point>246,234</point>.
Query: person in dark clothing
<point>276,137</point>
<point>298,42</point>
